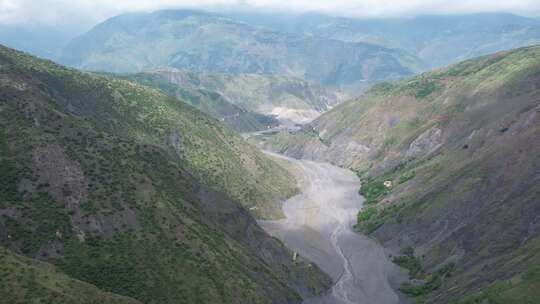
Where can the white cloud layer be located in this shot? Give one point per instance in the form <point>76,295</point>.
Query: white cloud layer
<point>53,12</point>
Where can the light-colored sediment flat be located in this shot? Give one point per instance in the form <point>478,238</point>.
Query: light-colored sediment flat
<point>318,226</point>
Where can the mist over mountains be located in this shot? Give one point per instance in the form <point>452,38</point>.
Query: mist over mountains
<point>190,156</point>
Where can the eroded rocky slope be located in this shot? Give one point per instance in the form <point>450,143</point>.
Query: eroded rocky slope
<point>458,149</point>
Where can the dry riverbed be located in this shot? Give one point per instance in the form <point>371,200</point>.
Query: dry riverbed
<point>318,225</point>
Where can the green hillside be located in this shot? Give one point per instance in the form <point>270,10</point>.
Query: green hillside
<point>460,149</point>
<point>24,280</point>
<point>217,155</point>
<point>209,102</point>
<point>128,189</point>
<point>289,99</point>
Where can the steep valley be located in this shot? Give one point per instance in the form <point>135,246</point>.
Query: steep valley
<point>242,156</point>
<point>127,194</point>
<point>450,166</point>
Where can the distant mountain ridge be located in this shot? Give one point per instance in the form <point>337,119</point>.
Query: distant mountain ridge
<point>43,41</point>
<point>204,42</point>
<point>438,40</point>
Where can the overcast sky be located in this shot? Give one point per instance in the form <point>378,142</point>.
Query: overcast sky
<point>89,12</point>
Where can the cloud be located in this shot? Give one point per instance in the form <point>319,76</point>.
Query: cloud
<point>83,12</point>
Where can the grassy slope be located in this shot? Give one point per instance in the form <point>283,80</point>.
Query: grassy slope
<point>460,148</point>
<point>209,102</point>
<point>95,180</point>
<point>521,288</point>
<point>216,155</point>
<point>23,280</point>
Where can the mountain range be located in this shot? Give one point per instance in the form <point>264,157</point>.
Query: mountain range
<point>437,40</point>
<point>346,53</point>
<point>133,171</point>
<point>205,42</point>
